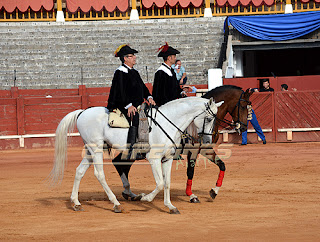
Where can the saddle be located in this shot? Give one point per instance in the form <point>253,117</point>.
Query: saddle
<point>118,120</point>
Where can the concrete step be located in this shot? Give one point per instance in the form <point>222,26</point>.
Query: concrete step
<point>51,55</point>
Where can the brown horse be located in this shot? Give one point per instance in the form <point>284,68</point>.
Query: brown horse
<point>236,103</point>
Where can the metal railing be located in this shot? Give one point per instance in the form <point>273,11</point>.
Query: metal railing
<point>29,15</point>
<point>155,12</point>
<point>169,12</point>
<point>299,6</point>
<point>227,10</point>
<point>94,15</point>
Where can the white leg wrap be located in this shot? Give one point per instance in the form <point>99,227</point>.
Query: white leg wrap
<point>192,196</point>
<point>216,189</point>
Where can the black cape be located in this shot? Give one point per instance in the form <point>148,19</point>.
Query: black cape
<point>165,88</point>
<point>127,88</point>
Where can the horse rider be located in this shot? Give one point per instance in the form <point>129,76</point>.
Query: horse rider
<point>128,91</point>
<point>166,86</point>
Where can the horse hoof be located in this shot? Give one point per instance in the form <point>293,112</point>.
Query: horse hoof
<point>125,196</point>
<point>213,194</point>
<point>77,208</point>
<point>131,198</point>
<point>174,211</point>
<point>117,209</point>
<point>137,198</point>
<point>194,200</point>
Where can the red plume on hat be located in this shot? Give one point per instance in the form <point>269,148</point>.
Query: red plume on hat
<point>167,50</point>
<point>163,48</point>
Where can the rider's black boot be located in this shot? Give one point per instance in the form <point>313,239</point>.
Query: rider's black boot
<point>132,135</point>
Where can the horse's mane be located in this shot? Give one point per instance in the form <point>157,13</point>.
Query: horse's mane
<point>218,90</point>
<point>179,101</point>
<point>192,130</point>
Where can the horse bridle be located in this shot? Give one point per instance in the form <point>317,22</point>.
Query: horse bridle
<point>233,124</point>
<point>238,122</point>
<point>201,134</point>
<point>184,134</point>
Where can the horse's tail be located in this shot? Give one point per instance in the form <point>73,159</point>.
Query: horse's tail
<point>66,125</point>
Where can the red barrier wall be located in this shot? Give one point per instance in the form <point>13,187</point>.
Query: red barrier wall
<point>284,110</point>
<point>39,111</point>
<point>300,83</point>
<point>25,112</point>
<point>8,116</point>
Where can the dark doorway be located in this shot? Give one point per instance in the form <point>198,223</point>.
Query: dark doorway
<point>281,62</point>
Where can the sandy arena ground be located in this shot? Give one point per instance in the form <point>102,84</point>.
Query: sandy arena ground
<point>270,193</point>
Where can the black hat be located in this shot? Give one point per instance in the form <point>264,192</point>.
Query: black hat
<point>124,50</point>
<point>167,50</point>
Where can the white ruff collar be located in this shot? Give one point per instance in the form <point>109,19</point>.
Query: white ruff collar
<point>165,69</point>
<point>123,69</point>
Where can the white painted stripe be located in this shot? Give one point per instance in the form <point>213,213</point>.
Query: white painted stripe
<point>299,129</point>
<point>34,136</point>
<point>10,137</point>
<point>249,131</point>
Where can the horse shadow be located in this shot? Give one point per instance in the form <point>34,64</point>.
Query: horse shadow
<point>89,199</point>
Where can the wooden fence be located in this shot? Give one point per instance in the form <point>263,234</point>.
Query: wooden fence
<point>291,116</point>
<point>29,118</point>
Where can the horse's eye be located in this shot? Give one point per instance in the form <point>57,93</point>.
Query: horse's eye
<point>209,119</point>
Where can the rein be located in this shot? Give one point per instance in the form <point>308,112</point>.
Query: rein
<point>233,124</point>
<point>238,105</point>
<point>184,133</point>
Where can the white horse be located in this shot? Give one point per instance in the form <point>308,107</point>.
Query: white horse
<point>93,127</point>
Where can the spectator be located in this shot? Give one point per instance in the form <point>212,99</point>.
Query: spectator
<point>189,89</point>
<point>284,87</point>
<point>266,86</point>
<point>254,121</point>
<point>180,72</point>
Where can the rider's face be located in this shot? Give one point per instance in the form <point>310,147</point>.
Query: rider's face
<point>172,59</point>
<point>130,60</point>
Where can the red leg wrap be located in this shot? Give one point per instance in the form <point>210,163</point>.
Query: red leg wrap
<point>188,189</point>
<point>220,179</point>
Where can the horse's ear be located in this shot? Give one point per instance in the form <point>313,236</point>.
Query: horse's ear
<point>211,100</point>
<point>219,103</point>
<point>248,93</point>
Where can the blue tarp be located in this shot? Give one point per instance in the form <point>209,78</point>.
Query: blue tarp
<point>276,27</point>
